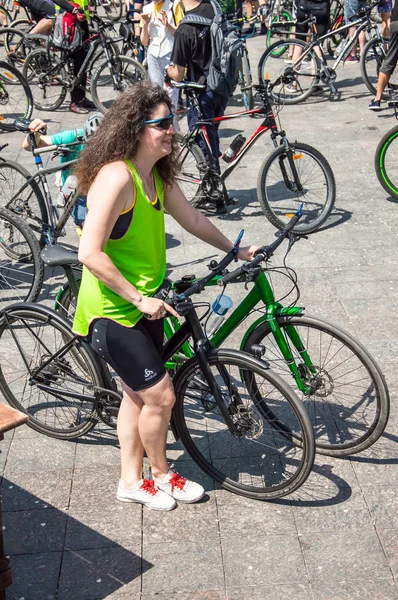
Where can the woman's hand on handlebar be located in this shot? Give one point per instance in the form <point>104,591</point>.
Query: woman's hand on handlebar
<point>247,253</point>
<point>153,308</point>
<point>38,126</point>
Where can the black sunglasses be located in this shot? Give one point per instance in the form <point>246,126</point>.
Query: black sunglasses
<point>163,123</point>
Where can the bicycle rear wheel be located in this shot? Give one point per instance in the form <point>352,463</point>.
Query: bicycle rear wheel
<point>370,62</point>
<point>21,268</point>
<point>14,44</point>
<point>349,402</point>
<point>15,97</point>
<point>297,80</point>
<point>126,71</point>
<point>386,162</point>
<point>279,195</point>
<point>258,462</point>
<point>46,76</point>
<point>60,397</point>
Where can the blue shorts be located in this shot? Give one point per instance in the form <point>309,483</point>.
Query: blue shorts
<point>352,8</point>
<point>384,6</point>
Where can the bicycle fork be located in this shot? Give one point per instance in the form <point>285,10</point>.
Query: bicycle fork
<point>291,156</point>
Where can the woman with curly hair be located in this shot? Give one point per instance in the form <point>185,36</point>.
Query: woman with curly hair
<point>128,172</point>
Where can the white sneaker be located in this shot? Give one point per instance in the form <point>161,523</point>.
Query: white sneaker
<point>179,488</point>
<point>146,493</point>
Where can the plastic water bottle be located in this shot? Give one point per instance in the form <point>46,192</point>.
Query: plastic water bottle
<point>233,148</point>
<point>339,49</point>
<point>220,307</point>
<point>66,191</point>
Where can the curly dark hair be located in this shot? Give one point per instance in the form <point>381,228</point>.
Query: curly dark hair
<point>117,136</point>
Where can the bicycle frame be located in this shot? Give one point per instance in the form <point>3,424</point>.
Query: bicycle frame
<point>260,293</point>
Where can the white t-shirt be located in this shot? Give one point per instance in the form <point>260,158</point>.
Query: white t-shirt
<point>160,38</point>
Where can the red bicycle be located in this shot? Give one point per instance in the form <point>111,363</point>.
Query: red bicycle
<point>293,174</point>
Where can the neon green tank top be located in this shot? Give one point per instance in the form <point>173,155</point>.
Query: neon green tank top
<point>140,256</point>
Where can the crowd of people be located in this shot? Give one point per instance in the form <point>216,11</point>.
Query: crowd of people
<point>127,172</point>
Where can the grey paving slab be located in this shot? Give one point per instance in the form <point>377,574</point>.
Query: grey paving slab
<point>99,526</point>
<point>29,531</point>
<point>255,518</point>
<point>186,567</point>
<point>341,556</point>
<point>40,454</point>
<point>27,491</point>
<point>389,542</point>
<point>379,589</point>
<point>90,455</point>
<point>204,595</point>
<point>297,591</point>
<point>97,573</point>
<point>192,521</point>
<point>35,576</point>
<point>92,486</point>
<point>257,560</point>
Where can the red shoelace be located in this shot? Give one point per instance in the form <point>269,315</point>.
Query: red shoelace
<point>177,480</point>
<point>148,487</point>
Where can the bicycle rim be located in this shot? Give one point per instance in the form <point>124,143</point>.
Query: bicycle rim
<point>31,337</point>
<point>189,177</point>
<point>126,71</point>
<point>15,97</point>
<point>258,462</point>
<point>387,165</point>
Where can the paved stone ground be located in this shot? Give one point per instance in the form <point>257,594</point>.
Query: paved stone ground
<point>336,539</point>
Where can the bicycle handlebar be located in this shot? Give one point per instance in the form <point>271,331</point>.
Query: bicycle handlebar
<point>263,253</point>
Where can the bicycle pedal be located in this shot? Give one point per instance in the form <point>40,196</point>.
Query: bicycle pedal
<point>232,201</point>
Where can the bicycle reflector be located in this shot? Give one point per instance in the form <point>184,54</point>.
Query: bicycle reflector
<point>297,156</point>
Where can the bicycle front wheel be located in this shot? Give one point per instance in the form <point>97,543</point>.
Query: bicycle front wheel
<point>370,62</point>
<point>273,35</point>
<point>46,76</point>
<point>21,197</point>
<point>58,398</point>
<point>386,162</point>
<point>281,190</point>
<point>110,80</point>
<point>349,402</point>
<point>245,81</point>
<point>15,97</point>
<point>21,268</point>
<point>297,80</point>
<point>258,461</point>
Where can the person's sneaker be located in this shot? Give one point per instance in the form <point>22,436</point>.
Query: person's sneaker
<point>288,60</point>
<point>180,489</point>
<point>317,89</point>
<point>86,103</point>
<point>148,494</point>
<point>374,105</point>
<point>78,109</point>
<point>292,88</point>
<point>351,59</point>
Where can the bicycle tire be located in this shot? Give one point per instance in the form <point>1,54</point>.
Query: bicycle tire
<point>287,16</point>
<point>22,271</point>
<point>372,57</point>
<point>222,459</point>
<point>271,182</point>
<point>318,409</point>
<point>14,43</point>
<point>272,68</point>
<point>192,163</point>
<point>120,66</point>
<point>11,80</point>
<point>36,69</point>
<point>384,173</point>
<point>42,414</point>
<point>30,204</point>
<point>245,80</point>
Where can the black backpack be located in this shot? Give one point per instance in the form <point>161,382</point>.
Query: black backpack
<point>226,51</point>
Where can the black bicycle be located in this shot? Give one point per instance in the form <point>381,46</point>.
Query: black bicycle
<point>241,423</point>
<point>50,72</point>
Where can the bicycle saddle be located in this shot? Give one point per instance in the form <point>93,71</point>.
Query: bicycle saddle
<point>181,85</point>
<point>58,256</point>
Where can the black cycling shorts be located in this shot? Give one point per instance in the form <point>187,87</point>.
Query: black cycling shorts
<point>390,61</point>
<point>134,353</point>
<point>320,10</point>
<point>40,9</point>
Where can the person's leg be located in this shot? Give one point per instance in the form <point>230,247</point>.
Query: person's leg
<point>43,27</point>
<point>213,105</point>
<point>78,94</point>
<point>131,447</point>
<point>385,24</point>
<point>387,68</point>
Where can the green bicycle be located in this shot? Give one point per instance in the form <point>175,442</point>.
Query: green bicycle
<point>342,387</point>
